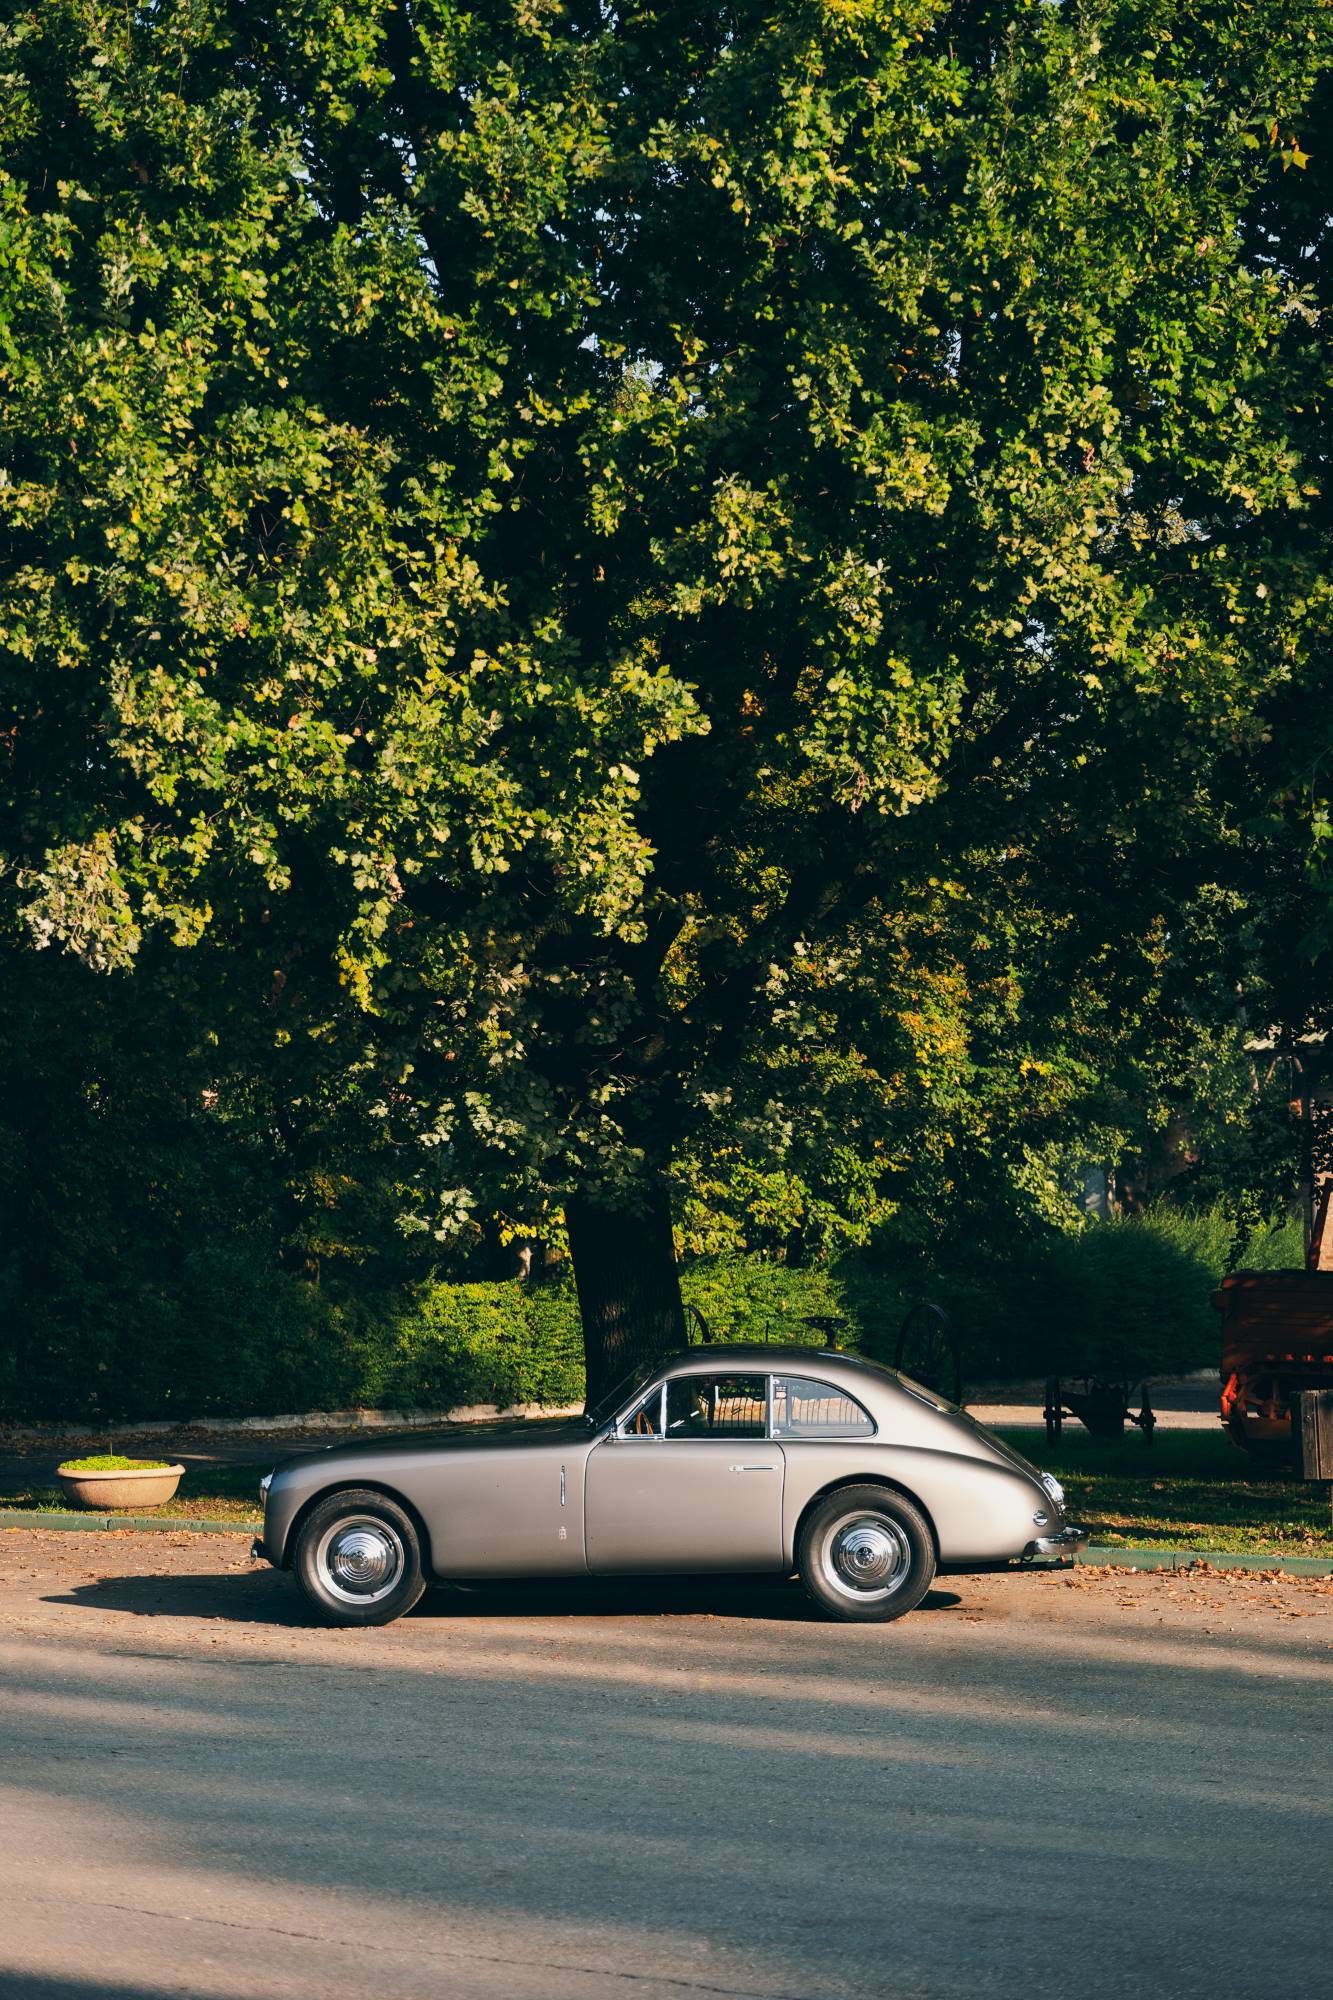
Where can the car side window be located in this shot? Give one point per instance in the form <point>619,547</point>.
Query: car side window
<point>806,1408</point>
<point>645,1420</point>
<point>722,1406</point>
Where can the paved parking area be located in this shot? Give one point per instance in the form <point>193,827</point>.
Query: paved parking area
<point>1094,1784</point>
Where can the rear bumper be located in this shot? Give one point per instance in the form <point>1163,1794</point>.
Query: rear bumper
<point>258,1552</point>
<point>1047,1548</point>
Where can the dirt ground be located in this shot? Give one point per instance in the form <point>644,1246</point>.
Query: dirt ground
<point>208,1589</point>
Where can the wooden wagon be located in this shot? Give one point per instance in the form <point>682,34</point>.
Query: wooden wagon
<point>1277,1337</point>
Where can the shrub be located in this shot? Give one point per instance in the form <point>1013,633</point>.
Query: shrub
<point>479,1343</point>
<point>754,1298</point>
<point>1130,1297</point>
<point>230,1336</point>
<point>268,1344</point>
<point>113,1461</point>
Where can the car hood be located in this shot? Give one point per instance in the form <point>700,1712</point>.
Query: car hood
<point>501,1434</point>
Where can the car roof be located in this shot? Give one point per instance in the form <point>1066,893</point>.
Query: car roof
<point>791,1356</point>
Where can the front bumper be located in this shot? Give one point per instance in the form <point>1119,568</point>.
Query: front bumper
<point>1071,1538</point>
<point>258,1553</point>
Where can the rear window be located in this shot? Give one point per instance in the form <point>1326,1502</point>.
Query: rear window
<point>803,1407</point>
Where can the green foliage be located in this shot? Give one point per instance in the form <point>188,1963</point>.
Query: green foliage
<point>1126,1297</point>
<point>439,1347</point>
<point>1281,788</point>
<point>113,1462</point>
<point>458,1344</point>
<point>755,1298</point>
<point>523,527</point>
<point>1131,1297</point>
<point>593,594</point>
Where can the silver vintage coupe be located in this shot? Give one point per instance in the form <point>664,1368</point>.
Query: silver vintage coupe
<point>719,1458</point>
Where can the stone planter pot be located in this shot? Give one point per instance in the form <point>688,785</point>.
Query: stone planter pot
<point>132,1491</point>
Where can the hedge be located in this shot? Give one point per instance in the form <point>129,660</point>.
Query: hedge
<point>235,1338</point>
<point>1130,1297</point>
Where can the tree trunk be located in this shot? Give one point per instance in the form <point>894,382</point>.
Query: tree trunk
<point>628,1285</point>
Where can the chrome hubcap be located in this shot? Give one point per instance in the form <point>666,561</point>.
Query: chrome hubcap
<point>867,1556</point>
<point>360,1561</point>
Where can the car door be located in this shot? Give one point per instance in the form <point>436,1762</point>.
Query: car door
<point>689,1480</point>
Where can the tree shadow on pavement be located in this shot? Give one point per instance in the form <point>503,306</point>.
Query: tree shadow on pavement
<point>259,1597</point>
<point>19,1985</point>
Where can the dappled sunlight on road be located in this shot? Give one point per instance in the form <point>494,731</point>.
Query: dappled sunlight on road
<point>649,1789</point>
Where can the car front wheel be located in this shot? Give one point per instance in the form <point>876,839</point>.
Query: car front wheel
<point>358,1559</point>
<point>866,1554</point>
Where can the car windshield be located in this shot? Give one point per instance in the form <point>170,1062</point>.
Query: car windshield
<point>601,1412</point>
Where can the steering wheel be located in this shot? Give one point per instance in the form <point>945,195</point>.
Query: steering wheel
<point>643,1424</point>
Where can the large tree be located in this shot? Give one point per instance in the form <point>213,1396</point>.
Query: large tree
<point>534,524</point>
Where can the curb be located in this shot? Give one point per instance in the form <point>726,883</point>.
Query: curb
<point>1186,1559</point>
<point>30,1517</point>
<point>314,1423</point>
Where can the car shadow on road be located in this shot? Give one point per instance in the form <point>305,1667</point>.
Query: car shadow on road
<point>259,1597</point>
<point>251,1597</point>
<point>773,1598</point>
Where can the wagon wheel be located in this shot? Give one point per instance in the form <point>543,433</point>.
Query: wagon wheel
<point>697,1331</point>
<point>929,1349</point>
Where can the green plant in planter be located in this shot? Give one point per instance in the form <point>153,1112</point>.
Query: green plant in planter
<point>114,1462</point>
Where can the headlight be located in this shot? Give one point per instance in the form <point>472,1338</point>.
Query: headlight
<point>264,1485</point>
<point>1054,1488</point>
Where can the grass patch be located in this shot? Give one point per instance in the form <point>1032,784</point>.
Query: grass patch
<point>1187,1490</point>
<point>207,1493</point>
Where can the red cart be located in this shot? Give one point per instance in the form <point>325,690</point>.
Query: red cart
<point>1277,1337</point>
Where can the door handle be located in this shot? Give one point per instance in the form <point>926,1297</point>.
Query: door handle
<point>752,1468</point>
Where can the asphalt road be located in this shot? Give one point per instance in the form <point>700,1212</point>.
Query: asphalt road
<point>1035,1786</point>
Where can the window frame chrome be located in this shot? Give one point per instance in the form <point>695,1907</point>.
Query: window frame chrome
<point>772,1434</point>
<point>830,1436</point>
<point>723,1374</point>
<point>641,1403</point>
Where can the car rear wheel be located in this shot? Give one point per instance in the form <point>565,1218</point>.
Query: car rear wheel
<point>866,1554</point>
<point>358,1559</point>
